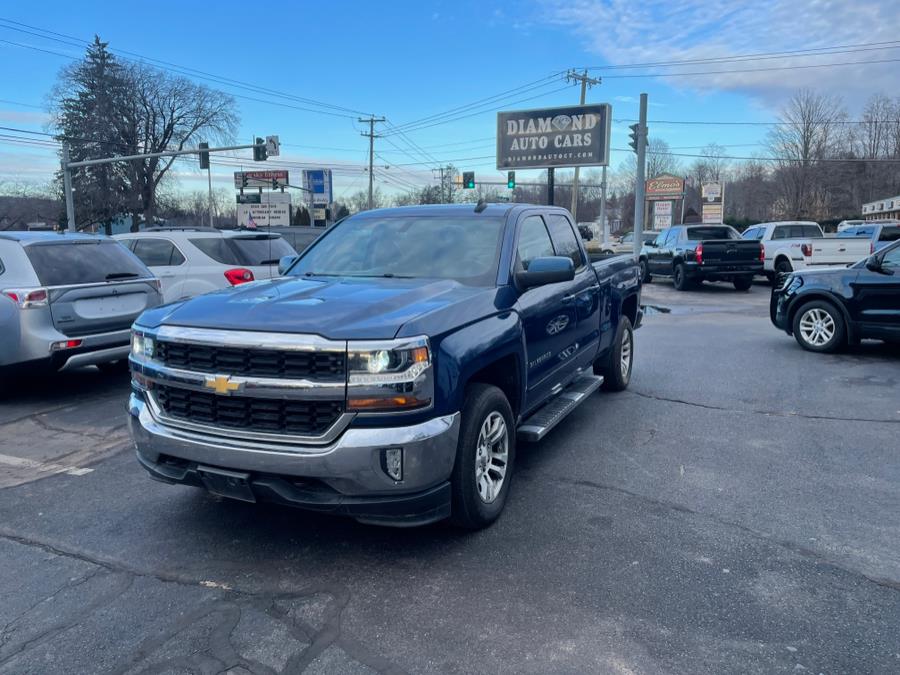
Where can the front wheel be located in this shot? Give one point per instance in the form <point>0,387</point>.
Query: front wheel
<point>742,283</point>
<point>616,368</point>
<point>645,272</point>
<point>819,327</point>
<point>484,458</point>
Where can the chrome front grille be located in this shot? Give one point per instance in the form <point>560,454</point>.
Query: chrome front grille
<point>201,358</point>
<point>266,415</point>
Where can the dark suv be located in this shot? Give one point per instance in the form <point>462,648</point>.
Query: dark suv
<point>825,309</point>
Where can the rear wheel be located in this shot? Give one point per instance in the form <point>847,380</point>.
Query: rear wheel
<point>645,272</point>
<point>819,327</point>
<point>616,368</point>
<point>484,458</point>
<point>679,278</point>
<point>783,266</point>
<point>742,283</point>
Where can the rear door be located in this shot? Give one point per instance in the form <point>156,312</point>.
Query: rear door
<point>94,286</point>
<point>166,262</point>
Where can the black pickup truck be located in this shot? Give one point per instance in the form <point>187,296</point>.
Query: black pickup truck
<point>691,254</point>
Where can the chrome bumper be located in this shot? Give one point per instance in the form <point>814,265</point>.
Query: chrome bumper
<point>350,465</point>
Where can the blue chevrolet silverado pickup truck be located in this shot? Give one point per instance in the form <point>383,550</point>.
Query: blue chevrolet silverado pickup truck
<point>388,374</point>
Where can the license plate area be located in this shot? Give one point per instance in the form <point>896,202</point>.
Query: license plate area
<point>231,484</point>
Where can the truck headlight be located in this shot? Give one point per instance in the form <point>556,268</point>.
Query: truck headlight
<point>389,375</point>
<point>142,346</point>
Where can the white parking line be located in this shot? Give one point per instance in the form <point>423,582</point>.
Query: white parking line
<point>23,463</point>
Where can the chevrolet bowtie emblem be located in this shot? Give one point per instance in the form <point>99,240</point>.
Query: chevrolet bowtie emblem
<point>222,384</point>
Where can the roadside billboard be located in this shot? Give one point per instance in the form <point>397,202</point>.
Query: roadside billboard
<point>272,209</point>
<point>261,179</point>
<point>568,136</point>
<point>664,186</point>
<point>318,186</point>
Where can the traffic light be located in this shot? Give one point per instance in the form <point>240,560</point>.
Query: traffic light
<point>259,150</point>
<point>511,180</point>
<point>635,133</point>
<point>204,156</point>
<point>469,180</point>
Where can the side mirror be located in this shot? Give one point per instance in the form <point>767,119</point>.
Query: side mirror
<point>285,263</point>
<point>548,270</point>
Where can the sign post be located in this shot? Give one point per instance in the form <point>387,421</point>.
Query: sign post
<point>713,200</point>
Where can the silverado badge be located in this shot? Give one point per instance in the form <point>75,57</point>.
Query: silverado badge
<point>222,385</point>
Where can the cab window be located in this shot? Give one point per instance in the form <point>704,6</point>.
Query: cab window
<point>672,237</point>
<point>534,242</point>
<point>661,238</point>
<point>157,253</point>
<point>564,240</point>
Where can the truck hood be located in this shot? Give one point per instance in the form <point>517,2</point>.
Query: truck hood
<point>339,308</point>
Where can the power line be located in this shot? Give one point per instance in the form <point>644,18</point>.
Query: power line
<point>755,70</point>
<point>167,65</point>
<point>759,56</point>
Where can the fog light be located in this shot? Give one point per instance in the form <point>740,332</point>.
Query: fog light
<point>392,462</point>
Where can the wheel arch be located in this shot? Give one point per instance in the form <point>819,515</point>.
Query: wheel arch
<point>825,296</point>
<point>505,374</point>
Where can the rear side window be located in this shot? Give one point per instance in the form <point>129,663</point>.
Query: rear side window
<point>217,249</point>
<point>534,241</point>
<point>260,250</point>
<point>701,233</point>
<point>564,240</point>
<point>889,234</point>
<point>807,232</point>
<point>157,253</point>
<point>750,234</point>
<point>782,232</point>
<point>63,264</point>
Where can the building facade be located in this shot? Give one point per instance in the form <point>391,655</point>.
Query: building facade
<point>882,209</point>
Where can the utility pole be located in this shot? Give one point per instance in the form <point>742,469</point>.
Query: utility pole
<point>441,169</point>
<point>67,186</point>
<point>209,181</point>
<point>372,136</point>
<point>586,82</point>
<point>639,179</point>
<point>551,186</point>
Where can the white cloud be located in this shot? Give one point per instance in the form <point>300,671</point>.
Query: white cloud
<point>24,117</point>
<point>624,31</point>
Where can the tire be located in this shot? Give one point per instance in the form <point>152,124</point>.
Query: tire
<point>473,505</point>
<point>114,367</point>
<point>742,283</point>
<point>679,278</point>
<point>616,368</point>
<point>783,266</point>
<point>819,327</point>
<point>645,272</point>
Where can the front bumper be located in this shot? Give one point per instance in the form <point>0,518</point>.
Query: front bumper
<point>344,477</point>
<point>779,310</point>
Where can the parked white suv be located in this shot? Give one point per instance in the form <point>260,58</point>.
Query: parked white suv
<point>191,261</point>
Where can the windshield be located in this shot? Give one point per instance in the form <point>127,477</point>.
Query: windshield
<point>702,233</point>
<point>84,262</point>
<point>465,249</point>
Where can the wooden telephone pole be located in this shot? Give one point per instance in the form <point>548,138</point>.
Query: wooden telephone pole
<point>586,82</point>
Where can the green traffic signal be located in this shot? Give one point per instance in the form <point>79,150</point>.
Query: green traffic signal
<point>469,180</point>
<point>511,180</point>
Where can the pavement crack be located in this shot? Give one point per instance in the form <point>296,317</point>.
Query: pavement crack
<point>791,546</point>
<point>768,413</point>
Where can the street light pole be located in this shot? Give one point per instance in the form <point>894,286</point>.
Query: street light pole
<point>639,179</point>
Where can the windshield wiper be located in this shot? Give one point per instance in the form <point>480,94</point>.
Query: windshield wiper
<point>321,274</point>
<point>121,275</point>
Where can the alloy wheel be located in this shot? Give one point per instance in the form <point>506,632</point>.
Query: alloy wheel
<point>491,456</point>
<point>817,327</point>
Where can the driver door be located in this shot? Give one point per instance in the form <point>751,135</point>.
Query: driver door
<point>876,297</point>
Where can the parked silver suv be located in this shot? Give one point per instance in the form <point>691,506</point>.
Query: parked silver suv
<point>68,300</point>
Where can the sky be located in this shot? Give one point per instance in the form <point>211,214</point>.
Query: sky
<point>324,65</point>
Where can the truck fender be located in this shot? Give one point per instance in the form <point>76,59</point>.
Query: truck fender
<point>473,348</point>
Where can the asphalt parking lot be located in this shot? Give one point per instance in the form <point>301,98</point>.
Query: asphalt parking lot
<point>736,510</point>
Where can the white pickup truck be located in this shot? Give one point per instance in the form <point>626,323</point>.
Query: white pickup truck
<point>797,245</point>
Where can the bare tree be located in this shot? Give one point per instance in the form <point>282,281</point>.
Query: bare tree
<point>808,131</point>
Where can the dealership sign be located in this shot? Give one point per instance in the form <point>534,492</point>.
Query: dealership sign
<point>575,135</point>
<point>665,186</point>
<point>713,203</point>
<point>272,209</point>
<point>261,179</point>
<point>318,185</point>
